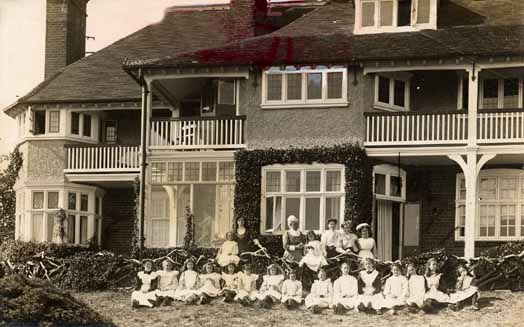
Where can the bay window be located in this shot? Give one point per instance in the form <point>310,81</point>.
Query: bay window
<point>392,92</point>
<point>304,87</point>
<point>500,206</point>
<point>313,193</point>
<point>44,206</point>
<point>379,16</point>
<point>499,93</point>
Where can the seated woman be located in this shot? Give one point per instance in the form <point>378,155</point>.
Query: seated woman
<point>369,287</point>
<point>366,244</point>
<point>315,254</point>
<point>292,291</point>
<point>271,289</point>
<point>146,283</point>
<point>293,241</point>
<point>228,253</point>
<point>465,292</point>
<point>167,283</point>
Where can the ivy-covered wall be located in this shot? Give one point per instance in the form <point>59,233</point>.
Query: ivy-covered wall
<point>358,183</point>
<point>8,179</point>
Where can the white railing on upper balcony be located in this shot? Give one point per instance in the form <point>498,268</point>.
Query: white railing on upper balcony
<point>103,158</point>
<point>198,133</point>
<point>500,126</point>
<point>416,128</point>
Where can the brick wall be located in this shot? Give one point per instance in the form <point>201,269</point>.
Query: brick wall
<point>434,188</point>
<point>65,33</point>
<point>117,227</point>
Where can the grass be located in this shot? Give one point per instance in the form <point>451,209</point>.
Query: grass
<point>497,309</point>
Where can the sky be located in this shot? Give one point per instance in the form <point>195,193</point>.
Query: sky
<point>22,62</point>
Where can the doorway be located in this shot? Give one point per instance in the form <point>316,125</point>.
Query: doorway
<point>389,230</point>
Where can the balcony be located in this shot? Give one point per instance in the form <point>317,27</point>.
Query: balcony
<point>198,133</point>
<point>500,126</point>
<point>102,159</point>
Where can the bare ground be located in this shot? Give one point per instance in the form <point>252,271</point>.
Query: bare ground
<point>497,309</point>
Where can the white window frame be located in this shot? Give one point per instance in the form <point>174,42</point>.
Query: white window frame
<point>304,102</point>
<point>390,171</point>
<point>220,83</point>
<point>500,95</point>
<point>518,202</point>
<point>82,115</point>
<point>45,211</point>
<point>302,194</point>
<point>390,106</point>
<point>359,29</point>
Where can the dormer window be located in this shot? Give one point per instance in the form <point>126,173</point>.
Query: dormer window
<point>387,16</point>
<point>319,86</point>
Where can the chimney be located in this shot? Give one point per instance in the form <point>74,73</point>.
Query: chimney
<point>65,33</point>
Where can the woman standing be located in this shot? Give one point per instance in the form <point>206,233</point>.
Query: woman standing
<point>243,237</point>
<point>347,241</point>
<point>366,244</point>
<point>293,241</point>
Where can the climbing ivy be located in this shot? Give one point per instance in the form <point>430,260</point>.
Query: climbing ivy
<point>135,239</point>
<point>8,179</point>
<point>358,182</point>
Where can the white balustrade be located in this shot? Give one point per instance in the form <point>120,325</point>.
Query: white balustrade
<point>197,134</point>
<point>102,159</point>
<point>416,129</point>
<point>500,127</point>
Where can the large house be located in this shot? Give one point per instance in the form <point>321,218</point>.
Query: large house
<point>433,90</point>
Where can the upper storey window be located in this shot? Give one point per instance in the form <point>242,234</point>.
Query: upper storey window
<point>305,87</point>
<point>388,16</point>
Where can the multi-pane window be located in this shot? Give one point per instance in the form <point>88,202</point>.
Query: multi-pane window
<point>81,124</point>
<point>54,122</point>
<point>75,123</point>
<point>313,193</point>
<point>45,205</point>
<point>111,131</point>
<point>78,216</point>
<point>226,92</point>
<point>39,122</point>
<point>304,86</point>
<point>389,182</point>
<point>391,92</point>
<point>377,16</point>
<point>498,93</point>
<point>500,205</point>
<point>192,171</point>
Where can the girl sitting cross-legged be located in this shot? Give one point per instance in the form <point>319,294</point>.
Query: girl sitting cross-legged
<point>435,295</point>
<point>321,293</point>
<point>416,289</point>
<point>247,286</point>
<point>395,289</point>
<point>146,282</point>
<point>465,293</point>
<point>271,288</point>
<point>188,284</point>
<point>369,287</point>
<point>345,291</point>
<point>229,283</point>
<point>167,283</point>
<point>209,284</point>
<point>292,291</point>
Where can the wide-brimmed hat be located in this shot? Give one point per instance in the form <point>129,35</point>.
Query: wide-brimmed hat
<point>363,225</point>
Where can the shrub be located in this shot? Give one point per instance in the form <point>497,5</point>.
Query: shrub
<point>31,302</point>
<point>8,179</point>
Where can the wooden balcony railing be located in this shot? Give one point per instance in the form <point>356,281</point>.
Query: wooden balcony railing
<point>198,133</point>
<point>410,128</point>
<point>500,126</point>
<point>102,158</point>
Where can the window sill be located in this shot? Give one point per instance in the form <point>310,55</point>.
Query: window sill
<point>306,105</point>
<point>384,107</point>
<point>393,29</point>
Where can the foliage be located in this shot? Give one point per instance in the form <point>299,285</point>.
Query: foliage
<point>358,182</point>
<point>8,179</point>
<point>135,240</point>
<point>189,238</point>
<point>58,227</point>
<point>33,301</point>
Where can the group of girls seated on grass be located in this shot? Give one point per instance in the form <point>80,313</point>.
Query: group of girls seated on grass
<point>364,292</point>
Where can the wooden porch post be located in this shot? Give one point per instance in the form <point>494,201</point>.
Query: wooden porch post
<point>143,161</point>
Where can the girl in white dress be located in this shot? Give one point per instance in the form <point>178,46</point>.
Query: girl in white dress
<point>188,284</point>
<point>345,291</point>
<point>366,243</point>
<point>209,284</point>
<point>315,253</point>
<point>465,293</point>
<point>369,287</point>
<point>271,288</point>
<point>229,283</point>
<point>435,294</point>
<point>247,286</point>
<point>416,288</point>
<point>292,291</point>
<point>395,290</point>
<point>167,283</point>
<point>228,253</point>
<point>321,294</point>
<point>146,281</point>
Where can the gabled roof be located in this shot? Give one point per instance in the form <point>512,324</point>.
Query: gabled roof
<point>100,77</point>
<point>466,28</point>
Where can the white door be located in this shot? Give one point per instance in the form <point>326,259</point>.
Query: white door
<point>384,229</point>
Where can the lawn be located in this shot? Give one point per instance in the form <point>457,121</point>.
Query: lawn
<point>498,308</point>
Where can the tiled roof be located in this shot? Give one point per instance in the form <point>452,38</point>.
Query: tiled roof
<point>487,28</point>
<point>100,76</point>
